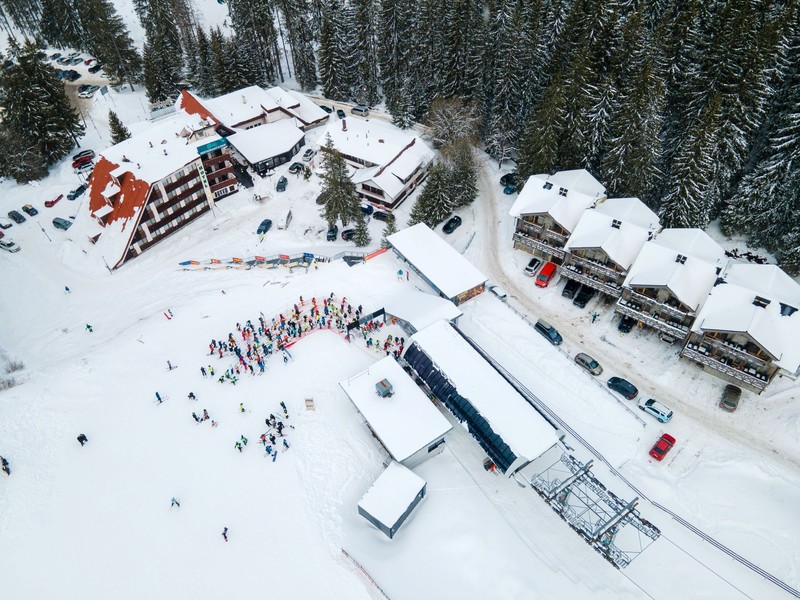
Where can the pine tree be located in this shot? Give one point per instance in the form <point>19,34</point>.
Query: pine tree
<point>335,71</point>
<point>539,148</point>
<point>20,160</point>
<point>162,56</point>
<point>389,229</point>
<point>459,158</point>
<point>361,235</point>
<point>396,22</point>
<point>200,72</point>
<point>254,26</point>
<point>119,133</point>
<point>297,17</point>
<point>25,15</point>
<point>362,18</point>
<point>107,38</point>
<point>464,44</point>
<point>35,110</point>
<point>435,203</point>
<point>60,24</point>
<point>340,192</point>
<point>450,120</point>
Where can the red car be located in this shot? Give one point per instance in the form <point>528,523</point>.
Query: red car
<point>83,160</point>
<point>52,203</point>
<point>662,446</point>
<point>546,274</point>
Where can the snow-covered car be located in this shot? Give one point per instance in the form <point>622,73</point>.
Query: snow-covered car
<point>87,94</point>
<point>655,409</point>
<point>62,224</point>
<point>82,153</point>
<point>309,154</point>
<point>281,186</point>
<point>662,446</point>
<point>9,246</point>
<point>83,160</point>
<point>532,266</point>
<point>730,398</point>
<point>348,234</point>
<point>497,291</point>
<point>296,168</point>
<point>85,169</point>
<point>333,231</point>
<point>30,210</point>
<point>587,362</point>
<point>76,193</point>
<point>340,113</point>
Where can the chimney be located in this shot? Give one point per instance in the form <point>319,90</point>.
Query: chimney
<point>344,124</point>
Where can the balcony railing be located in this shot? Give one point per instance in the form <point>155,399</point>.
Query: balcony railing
<point>662,308</point>
<point>734,350</point>
<point>676,331</point>
<point>539,231</point>
<point>530,243</point>
<point>606,287</point>
<point>752,379</point>
<point>605,272</point>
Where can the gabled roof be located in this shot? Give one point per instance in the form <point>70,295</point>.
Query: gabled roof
<point>692,242</point>
<point>730,307</point>
<point>596,230</point>
<point>657,266</point>
<point>629,210</point>
<point>266,141</point>
<point>563,195</point>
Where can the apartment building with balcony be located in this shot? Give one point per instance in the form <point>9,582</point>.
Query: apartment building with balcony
<point>747,330</point>
<point>606,241</point>
<point>549,207</point>
<point>152,184</point>
<point>670,279</point>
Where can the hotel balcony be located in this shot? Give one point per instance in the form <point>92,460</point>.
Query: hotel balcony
<point>652,304</point>
<point>631,309</point>
<point>605,287</point>
<point>749,378</point>
<point>523,241</point>
<point>595,267</point>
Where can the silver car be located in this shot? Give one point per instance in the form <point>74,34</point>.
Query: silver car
<point>588,363</point>
<point>9,246</point>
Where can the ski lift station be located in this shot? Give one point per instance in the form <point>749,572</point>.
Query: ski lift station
<point>398,413</point>
<point>439,264</point>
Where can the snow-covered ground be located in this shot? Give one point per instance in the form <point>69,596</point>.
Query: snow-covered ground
<point>98,518</point>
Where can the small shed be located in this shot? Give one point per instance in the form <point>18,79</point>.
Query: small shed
<point>439,264</point>
<point>405,421</point>
<point>392,498</point>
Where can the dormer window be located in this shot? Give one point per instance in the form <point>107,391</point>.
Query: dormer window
<point>562,192</point>
<point>760,302</point>
<point>616,224</point>
<point>548,185</point>
<point>681,259</point>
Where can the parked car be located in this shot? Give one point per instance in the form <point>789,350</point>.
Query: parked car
<point>82,154</point>
<point>546,274</point>
<point>54,201</point>
<point>71,75</point>
<point>340,113</point>
<point>5,224</point>
<point>9,246</point>
<point>348,234</point>
<point>360,111</point>
<point>309,154</point>
<point>326,108</point>
<point>75,60</point>
<point>86,94</point>
<point>570,288</point>
<point>508,179</point>
<point>533,266</point>
<point>655,409</point>
<point>90,61</point>
<point>281,186</point>
<point>60,223</point>
<point>30,210</point>
<point>496,290</point>
<point>626,324</point>
<point>452,224</point>
<point>588,363</point>
<point>55,55</point>
<point>662,446</point>
<point>95,68</point>
<point>296,168</point>
<point>367,210</point>
<point>76,193</point>
<point>549,332</point>
<point>380,215</point>
<point>730,398</point>
<point>333,231</point>
<point>85,169</point>
<point>16,217</point>
<point>2,235</point>
<point>83,160</point>
<point>510,189</point>
<point>583,296</point>
<point>624,387</point>
<point>264,227</point>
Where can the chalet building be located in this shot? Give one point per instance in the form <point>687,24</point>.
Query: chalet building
<point>265,148</point>
<point>389,163</point>
<point>606,241</point>
<point>152,184</point>
<point>670,279</point>
<point>747,330</point>
<point>549,207</point>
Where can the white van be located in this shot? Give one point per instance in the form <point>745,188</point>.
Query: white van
<point>360,111</point>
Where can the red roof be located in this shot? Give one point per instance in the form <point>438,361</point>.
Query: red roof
<point>191,105</point>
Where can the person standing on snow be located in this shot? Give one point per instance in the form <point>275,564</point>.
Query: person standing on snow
<point>225,533</point>
<point>175,502</point>
<point>158,398</point>
<point>6,467</point>
<point>89,328</point>
<point>83,439</point>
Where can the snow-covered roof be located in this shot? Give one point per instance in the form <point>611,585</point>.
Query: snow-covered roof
<point>297,104</point>
<point>730,308</point>
<point>419,308</point>
<point>509,414</point>
<point>629,210</point>
<point>266,141</point>
<point>563,195</point>
<point>391,494</point>
<point>377,142</point>
<point>657,266</point>
<point>405,422</point>
<point>437,260</point>
<point>240,106</point>
<point>692,242</point>
<point>595,230</point>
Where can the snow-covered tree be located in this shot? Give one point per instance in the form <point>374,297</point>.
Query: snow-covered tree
<point>539,148</point>
<point>435,202</point>
<point>340,192</point>
<point>335,59</point>
<point>389,229</point>
<point>119,133</point>
<point>361,235</point>
<point>162,57</point>
<point>464,39</point>
<point>299,23</point>
<point>253,23</point>
<point>452,119</point>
